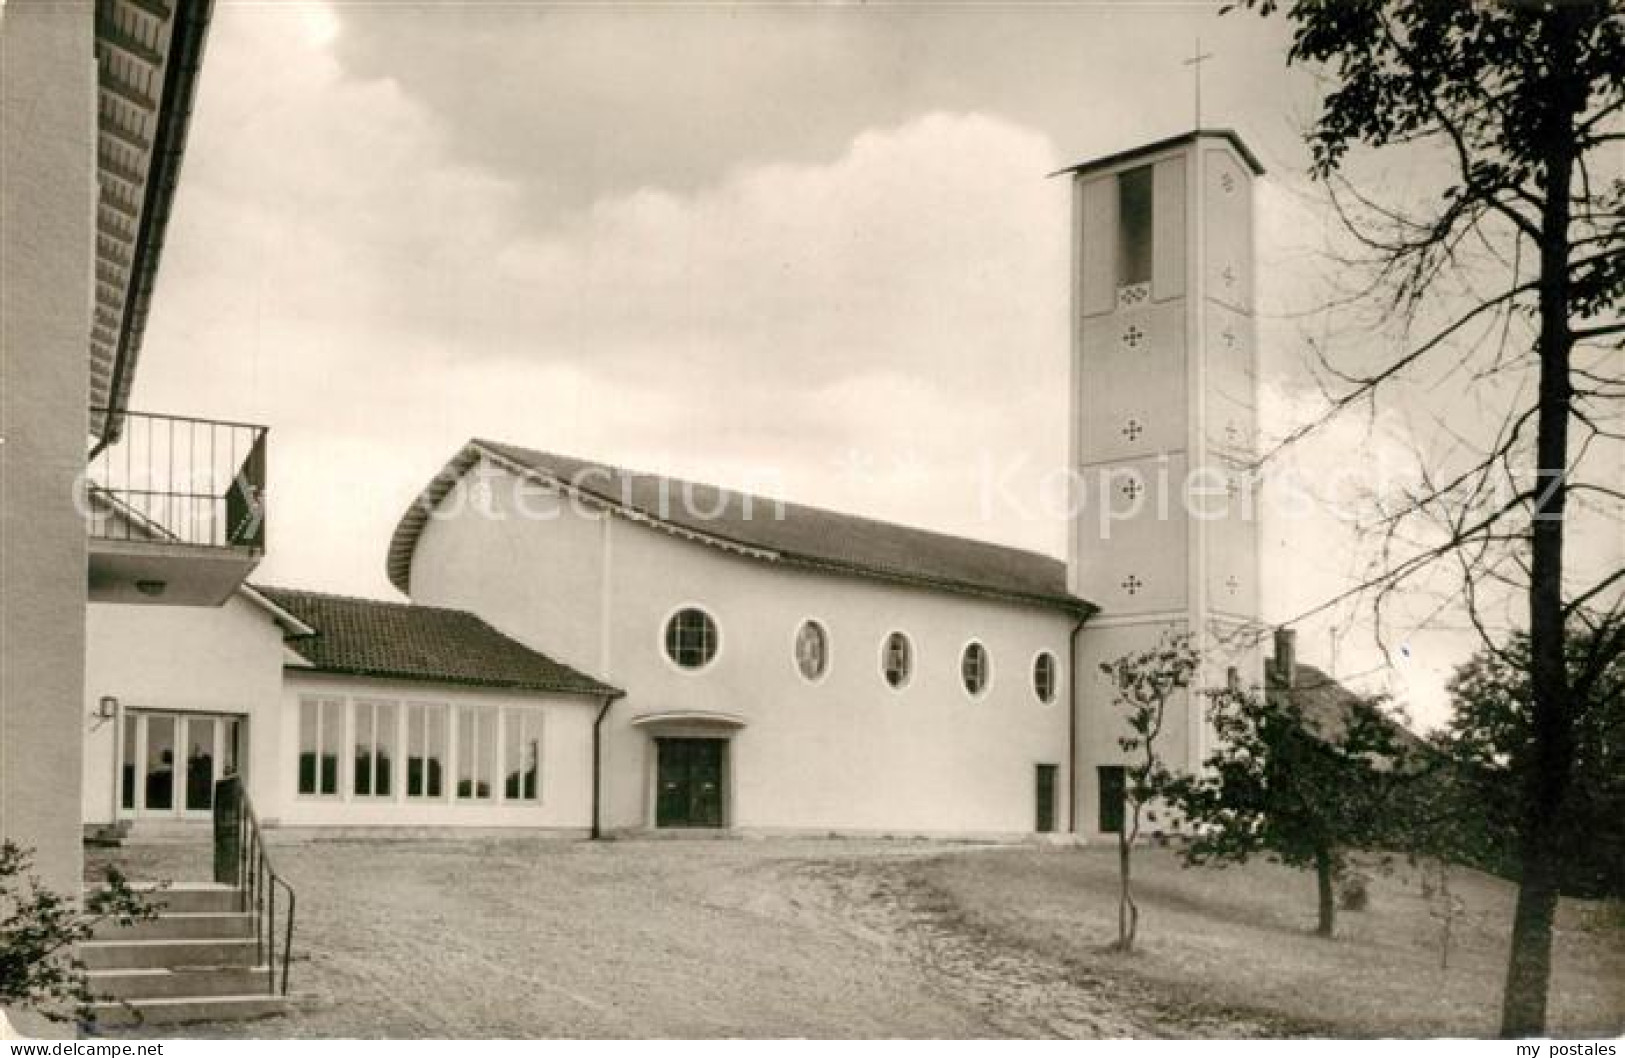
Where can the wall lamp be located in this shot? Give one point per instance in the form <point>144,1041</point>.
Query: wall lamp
<point>107,707</point>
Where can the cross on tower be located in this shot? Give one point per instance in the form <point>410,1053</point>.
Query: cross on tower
<point>1195,63</point>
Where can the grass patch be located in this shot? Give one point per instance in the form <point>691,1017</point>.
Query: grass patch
<point>1239,939</point>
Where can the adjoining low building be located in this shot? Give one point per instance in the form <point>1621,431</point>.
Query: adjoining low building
<point>336,712</point>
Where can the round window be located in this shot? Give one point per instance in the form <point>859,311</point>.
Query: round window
<point>974,668</point>
<point>691,638</point>
<point>1044,677</point>
<point>812,650</point>
<point>897,660</point>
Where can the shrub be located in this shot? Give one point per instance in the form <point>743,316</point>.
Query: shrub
<point>38,929</point>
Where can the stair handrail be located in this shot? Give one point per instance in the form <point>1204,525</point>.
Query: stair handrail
<point>257,880</point>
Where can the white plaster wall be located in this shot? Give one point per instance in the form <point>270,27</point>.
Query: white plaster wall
<point>47,206</point>
<point>566,778</point>
<point>1102,722</point>
<point>481,552</point>
<point>847,753</point>
<point>1190,381</point>
<point>225,659</point>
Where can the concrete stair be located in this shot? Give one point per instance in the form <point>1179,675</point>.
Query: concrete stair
<point>187,1011</point>
<point>197,961</point>
<point>183,983</point>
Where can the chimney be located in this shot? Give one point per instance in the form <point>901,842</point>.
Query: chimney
<point>1286,655</point>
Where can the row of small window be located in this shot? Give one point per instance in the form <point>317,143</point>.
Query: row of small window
<point>449,750</point>
<point>692,643</point>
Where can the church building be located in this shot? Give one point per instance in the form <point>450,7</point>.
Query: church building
<point>593,650</point>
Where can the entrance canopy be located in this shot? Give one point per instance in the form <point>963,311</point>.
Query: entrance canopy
<point>718,725</point>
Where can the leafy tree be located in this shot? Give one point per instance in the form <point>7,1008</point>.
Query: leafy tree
<point>1512,270</point>
<point>38,929</point>
<point>1304,790</point>
<point>1488,741</point>
<point>1144,683</point>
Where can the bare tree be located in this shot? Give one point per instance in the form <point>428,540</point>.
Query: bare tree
<point>1509,274</point>
<point>1144,682</point>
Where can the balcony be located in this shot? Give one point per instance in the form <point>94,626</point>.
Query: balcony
<point>175,510</point>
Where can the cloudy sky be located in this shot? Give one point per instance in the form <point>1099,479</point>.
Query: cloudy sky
<point>807,250</point>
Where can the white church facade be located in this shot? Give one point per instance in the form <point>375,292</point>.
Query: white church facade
<point>591,650</point>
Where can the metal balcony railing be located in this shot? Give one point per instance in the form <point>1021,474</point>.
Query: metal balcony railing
<point>169,479</point>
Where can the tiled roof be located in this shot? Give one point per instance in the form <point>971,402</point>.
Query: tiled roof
<point>772,530</point>
<point>1328,706</point>
<point>367,637</point>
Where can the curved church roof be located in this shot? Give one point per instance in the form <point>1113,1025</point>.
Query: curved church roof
<point>766,529</point>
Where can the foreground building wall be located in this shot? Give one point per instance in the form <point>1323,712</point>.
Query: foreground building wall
<point>221,661</point>
<point>47,208</point>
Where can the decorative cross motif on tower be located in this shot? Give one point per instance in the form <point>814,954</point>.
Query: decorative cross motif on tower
<point>1229,337</point>
<point>1231,584</point>
<point>1133,584</point>
<point>1195,63</point>
<point>1228,275</point>
<point>1132,488</point>
<point>1132,429</point>
<point>1133,337</point>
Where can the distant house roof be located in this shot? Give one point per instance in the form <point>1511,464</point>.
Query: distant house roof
<point>1328,706</point>
<point>789,534</point>
<point>366,637</point>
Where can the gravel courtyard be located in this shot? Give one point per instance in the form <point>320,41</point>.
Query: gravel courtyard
<point>838,938</point>
<point>640,939</point>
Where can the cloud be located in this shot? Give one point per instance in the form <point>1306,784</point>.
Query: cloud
<point>336,270</point>
<point>863,316</point>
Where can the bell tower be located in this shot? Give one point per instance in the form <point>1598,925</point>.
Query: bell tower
<point>1164,532</point>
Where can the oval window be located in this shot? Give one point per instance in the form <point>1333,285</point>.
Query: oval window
<point>812,650</point>
<point>974,669</point>
<point>1044,677</point>
<point>897,660</point>
<point>691,638</point>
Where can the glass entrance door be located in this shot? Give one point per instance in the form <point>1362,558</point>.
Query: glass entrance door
<point>169,762</point>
